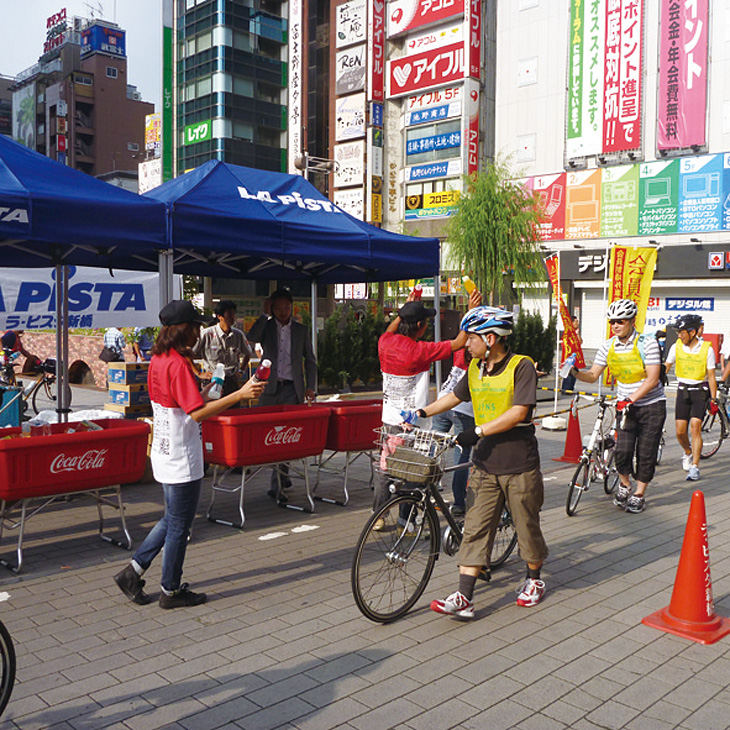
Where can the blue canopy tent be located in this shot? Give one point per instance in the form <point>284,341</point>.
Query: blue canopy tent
<point>54,216</point>
<point>227,220</point>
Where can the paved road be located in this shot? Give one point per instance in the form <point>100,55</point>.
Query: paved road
<point>281,644</point>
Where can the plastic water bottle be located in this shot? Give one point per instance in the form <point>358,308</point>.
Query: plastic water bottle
<point>219,375</point>
<point>468,284</point>
<point>567,366</point>
<point>262,372</point>
<point>417,292</point>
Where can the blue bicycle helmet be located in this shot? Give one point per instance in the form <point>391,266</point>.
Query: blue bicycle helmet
<point>483,320</point>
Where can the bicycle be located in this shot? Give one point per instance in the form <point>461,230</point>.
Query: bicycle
<point>715,426</point>
<point>394,559</point>
<point>596,461</point>
<point>7,662</point>
<point>41,386</point>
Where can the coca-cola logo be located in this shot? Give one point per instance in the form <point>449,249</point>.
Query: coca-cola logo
<point>92,459</point>
<point>280,435</point>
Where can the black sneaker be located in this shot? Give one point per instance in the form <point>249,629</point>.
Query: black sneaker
<point>457,510</point>
<point>131,585</point>
<point>281,498</point>
<point>181,598</point>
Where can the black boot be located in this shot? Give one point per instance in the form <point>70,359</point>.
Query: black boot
<point>131,585</point>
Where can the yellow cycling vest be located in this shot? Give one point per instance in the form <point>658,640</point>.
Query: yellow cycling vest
<point>692,365</point>
<point>492,395</point>
<point>626,367</point>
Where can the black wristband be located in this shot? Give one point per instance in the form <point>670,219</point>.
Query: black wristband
<point>421,413</point>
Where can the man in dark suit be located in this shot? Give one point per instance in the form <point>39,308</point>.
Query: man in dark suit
<point>293,365</point>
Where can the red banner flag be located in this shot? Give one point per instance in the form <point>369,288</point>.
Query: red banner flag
<point>571,339</point>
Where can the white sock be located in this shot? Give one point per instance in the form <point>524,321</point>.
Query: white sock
<point>138,569</point>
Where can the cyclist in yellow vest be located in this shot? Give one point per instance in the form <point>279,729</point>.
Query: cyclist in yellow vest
<point>635,361</point>
<point>696,385</point>
<point>502,389</point>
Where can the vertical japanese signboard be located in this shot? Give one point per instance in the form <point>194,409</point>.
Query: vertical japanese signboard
<point>605,66</point>
<point>622,64</point>
<point>571,338</point>
<point>376,50</point>
<point>168,45</point>
<point>682,74</point>
<point>295,85</point>
<point>658,197</point>
<point>620,201</point>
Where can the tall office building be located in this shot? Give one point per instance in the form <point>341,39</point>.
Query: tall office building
<point>75,105</point>
<point>229,82</point>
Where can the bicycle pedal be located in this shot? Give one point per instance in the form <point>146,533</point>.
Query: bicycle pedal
<point>485,575</point>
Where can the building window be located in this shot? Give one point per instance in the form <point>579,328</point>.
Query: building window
<point>111,72</point>
<point>432,142</point>
<point>83,80</point>
<point>132,147</point>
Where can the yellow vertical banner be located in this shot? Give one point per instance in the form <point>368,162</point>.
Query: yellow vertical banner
<point>632,272</point>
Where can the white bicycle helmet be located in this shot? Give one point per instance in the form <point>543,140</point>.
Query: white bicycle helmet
<point>483,320</point>
<point>622,309</point>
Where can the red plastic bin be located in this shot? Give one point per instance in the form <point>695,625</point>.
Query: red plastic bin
<point>43,466</point>
<point>265,435</point>
<point>353,424</point>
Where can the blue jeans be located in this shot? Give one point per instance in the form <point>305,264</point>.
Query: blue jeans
<point>171,532</point>
<point>456,422</point>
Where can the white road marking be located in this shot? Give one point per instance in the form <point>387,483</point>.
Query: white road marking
<point>305,528</point>
<point>273,535</point>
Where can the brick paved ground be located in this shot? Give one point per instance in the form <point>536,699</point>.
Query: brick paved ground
<point>281,644</point>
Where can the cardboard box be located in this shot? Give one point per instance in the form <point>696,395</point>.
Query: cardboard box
<point>128,373</point>
<point>129,395</point>
<point>129,411</point>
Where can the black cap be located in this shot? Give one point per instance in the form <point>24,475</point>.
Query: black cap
<point>179,311</point>
<point>415,312</point>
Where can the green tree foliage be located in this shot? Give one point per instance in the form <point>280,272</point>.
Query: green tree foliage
<point>494,232</point>
<point>531,337</point>
<point>347,348</point>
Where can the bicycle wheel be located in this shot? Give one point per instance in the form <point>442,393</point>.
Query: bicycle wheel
<point>578,484</point>
<point>610,475</point>
<point>7,667</point>
<point>714,432</point>
<point>392,565</point>
<point>505,540</point>
<point>44,387</point>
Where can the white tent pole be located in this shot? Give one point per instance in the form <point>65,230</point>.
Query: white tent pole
<point>558,357</point>
<point>314,317</point>
<point>66,384</point>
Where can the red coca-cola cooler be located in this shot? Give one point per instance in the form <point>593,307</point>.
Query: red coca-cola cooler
<point>251,437</point>
<point>354,429</point>
<point>45,466</point>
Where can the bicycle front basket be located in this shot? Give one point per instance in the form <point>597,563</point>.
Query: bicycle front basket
<point>413,466</point>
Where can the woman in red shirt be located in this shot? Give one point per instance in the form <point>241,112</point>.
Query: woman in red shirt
<point>176,454</point>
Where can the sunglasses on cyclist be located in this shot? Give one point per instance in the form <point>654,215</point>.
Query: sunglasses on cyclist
<point>617,321</point>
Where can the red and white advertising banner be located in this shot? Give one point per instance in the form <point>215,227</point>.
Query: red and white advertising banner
<point>405,16</point>
<point>471,126</point>
<point>623,71</point>
<point>571,338</point>
<point>474,37</point>
<point>437,67</point>
<point>682,72</point>
<point>552,192</point>
<point>376,51</point>
<point>437,38</point>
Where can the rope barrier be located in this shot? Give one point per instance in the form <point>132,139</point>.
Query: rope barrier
<point>564,410</point>
<point>576,392</point>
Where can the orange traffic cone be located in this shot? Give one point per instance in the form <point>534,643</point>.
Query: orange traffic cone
<point>691,612</point>
<point>573,441</point>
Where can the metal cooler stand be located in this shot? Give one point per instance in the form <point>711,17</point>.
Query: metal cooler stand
<point>262,437</point>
